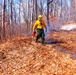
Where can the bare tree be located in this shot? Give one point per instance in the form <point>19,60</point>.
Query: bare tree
<point>22,14</point>
<point>3,19</point>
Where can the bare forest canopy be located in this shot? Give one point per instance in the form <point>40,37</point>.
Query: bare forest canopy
<point>18,16</point>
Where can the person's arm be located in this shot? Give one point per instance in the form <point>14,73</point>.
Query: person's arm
<point>44,25</point>
<point>35,26</point>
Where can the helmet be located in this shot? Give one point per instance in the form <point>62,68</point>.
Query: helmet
<point>40,16</point>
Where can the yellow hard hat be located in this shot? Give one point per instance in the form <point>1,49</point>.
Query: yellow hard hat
<point>40,16</point>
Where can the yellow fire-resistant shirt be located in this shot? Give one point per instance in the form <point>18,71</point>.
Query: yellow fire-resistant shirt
<point>38,25</point>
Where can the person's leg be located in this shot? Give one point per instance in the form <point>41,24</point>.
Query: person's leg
<point>37,37</point>
<point>38,34</point>
<point>43,37</point>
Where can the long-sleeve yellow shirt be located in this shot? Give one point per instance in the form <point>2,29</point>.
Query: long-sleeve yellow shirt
<point>39,25</point>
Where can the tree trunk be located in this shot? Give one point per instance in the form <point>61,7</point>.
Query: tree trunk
<point>41,9</point>
<point>3,19</point>
<point>36,10</point>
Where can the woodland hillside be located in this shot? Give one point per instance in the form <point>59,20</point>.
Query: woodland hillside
<point>20,54</point>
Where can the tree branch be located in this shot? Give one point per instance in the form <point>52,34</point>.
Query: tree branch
<point>50,2</point>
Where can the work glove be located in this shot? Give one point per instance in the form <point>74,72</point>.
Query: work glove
<point>33,30</point>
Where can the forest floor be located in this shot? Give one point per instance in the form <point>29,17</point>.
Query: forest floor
<point>22,56</point>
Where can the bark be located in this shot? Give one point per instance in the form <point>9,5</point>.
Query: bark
<point>3,19</point>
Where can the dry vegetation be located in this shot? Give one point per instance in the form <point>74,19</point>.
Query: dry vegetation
<point>65,40</point>
<point>22,56</point>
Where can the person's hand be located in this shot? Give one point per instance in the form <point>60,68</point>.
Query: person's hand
<point>33,30</point>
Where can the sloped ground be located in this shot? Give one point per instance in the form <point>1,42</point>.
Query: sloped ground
<point>22,56</point>
<point>65,40</point>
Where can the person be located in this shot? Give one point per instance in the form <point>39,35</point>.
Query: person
<point>39,27</point>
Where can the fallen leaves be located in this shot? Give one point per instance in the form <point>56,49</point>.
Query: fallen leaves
<point>2,55</point>
<point>25,57</point>
<point>65,40</point>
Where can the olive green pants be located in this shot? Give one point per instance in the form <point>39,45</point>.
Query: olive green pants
<point>40,34</point>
